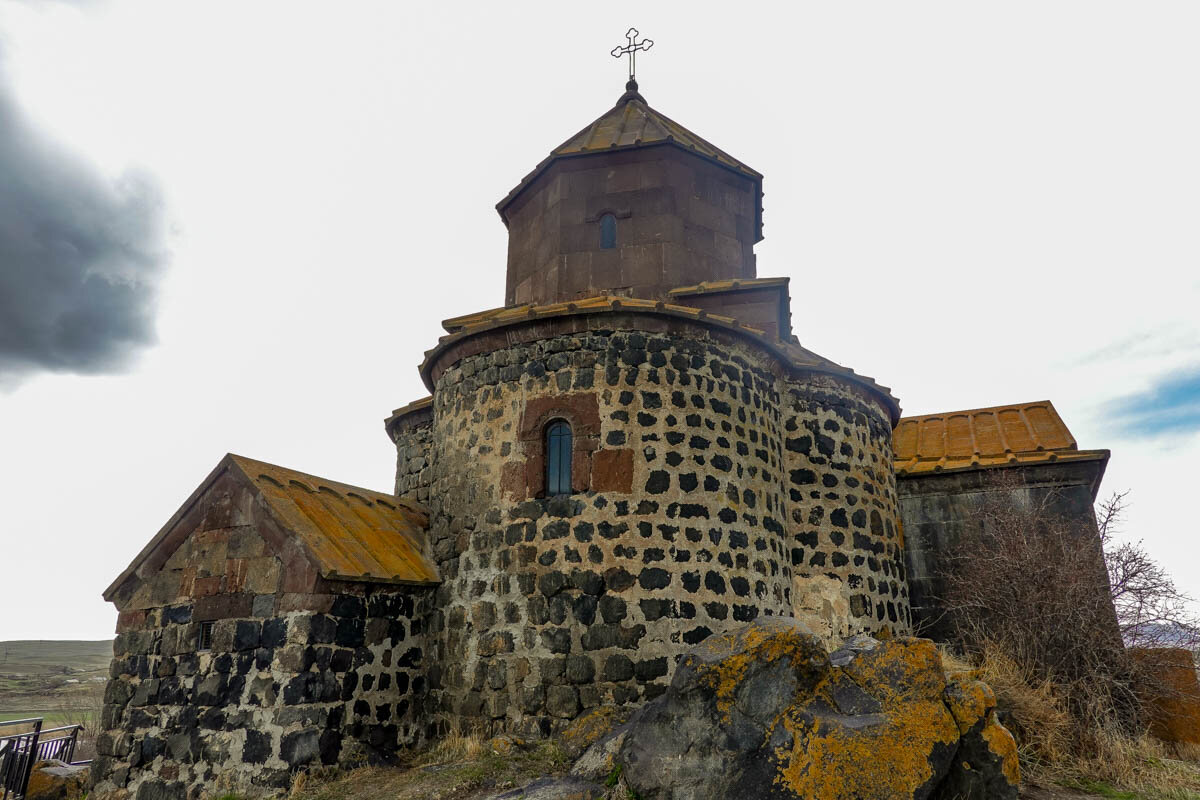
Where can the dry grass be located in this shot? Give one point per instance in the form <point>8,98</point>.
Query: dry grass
<point>1030,708</point>
<point>955,665</point>
<point>1187,752</point>
<point>1095,757</point>
<point>459,767</point>
<point>455,748</point>
<point>1143,766</point>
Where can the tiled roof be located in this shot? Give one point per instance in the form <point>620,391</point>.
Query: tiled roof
<point>604,302</point>
<point>789,351</point>
<point>730,285</point>
<point>1024,433</point>
<point>762,302</point>
<point>412,412</point>
<point>346,532</point>
<point>631,124</point>
<point>351,533</point>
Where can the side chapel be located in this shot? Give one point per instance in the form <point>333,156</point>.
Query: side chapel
<point>635,451</point>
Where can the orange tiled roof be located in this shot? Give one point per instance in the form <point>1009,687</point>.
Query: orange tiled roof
<point>1023,433</point>
<point>352,533</point>
<point>348,533</point>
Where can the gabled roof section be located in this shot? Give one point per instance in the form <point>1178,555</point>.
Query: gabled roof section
<point>352,533</point>
<point>1023,433</point>
<point>347,532</point>
<point>632,124</point>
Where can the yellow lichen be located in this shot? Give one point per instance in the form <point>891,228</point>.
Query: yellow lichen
<point>891,759</point>
<point>761,645</point>
<point>589,728</point>
<point>1001,742</point>
<point>969,702</point>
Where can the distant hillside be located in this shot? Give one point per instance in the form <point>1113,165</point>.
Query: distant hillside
<point>54,657</point>
<point>61,681</point>
<point>1167,634</point>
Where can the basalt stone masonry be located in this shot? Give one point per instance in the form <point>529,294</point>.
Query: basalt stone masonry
<point>633,454</point>
<point>244,652</point>
<point>556,604</point>
<point>264,697</point>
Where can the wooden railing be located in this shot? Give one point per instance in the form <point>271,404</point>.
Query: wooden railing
<point>20,750</point>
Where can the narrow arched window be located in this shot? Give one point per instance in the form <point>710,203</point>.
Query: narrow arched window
<point>558,458</point>
<point>608,232</point>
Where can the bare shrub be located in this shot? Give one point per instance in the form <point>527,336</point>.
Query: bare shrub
<point>1044,605</point>
<point>1030,583</point>
<point>1151,611</point>
<point>82,708</point>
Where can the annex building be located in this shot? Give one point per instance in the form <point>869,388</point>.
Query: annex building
<point>633,452</point>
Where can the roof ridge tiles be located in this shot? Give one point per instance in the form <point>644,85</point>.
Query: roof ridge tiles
<point>607,302</point>
<point>1026,439</point>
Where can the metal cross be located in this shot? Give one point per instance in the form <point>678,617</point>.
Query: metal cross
<point>631,49</point>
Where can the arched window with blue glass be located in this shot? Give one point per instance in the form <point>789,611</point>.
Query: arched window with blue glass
<point>558,457</point>
<point>608,232</point>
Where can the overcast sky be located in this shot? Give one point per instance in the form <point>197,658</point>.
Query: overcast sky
<point>235,227</point>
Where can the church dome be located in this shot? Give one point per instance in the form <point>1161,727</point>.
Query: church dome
<point>634,204</point>
<point>634,452</point>
<point>632,123</point>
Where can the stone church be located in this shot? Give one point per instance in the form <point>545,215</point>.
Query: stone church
<point>634,452</point>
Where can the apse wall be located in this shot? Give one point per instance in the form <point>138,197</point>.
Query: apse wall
<point>680,524</point>
<point>843,512</point>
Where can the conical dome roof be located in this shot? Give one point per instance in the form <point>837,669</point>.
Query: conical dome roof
<point>632,124</point>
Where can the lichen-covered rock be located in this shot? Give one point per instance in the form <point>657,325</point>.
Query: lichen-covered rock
<point>590,727</point>
<point>714,732</point>
<point>766,712</point>
<point>599,762</point>
<point>57,780</point>
<point>505,745</point>
<point>985,766</point>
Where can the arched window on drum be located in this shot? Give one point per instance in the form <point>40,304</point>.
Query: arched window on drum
<point>558,457</point>
<point>608,232</point>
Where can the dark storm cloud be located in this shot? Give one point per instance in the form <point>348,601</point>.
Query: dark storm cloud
<point>80,257</point>
<point>1170,406</point>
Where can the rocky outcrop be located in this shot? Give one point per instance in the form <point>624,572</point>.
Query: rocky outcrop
<point>766,712</point>
<point>569,788</point>
<point>57,780</point>
<point>985,765</point>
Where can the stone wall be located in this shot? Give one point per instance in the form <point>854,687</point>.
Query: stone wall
<point>938,508</point>
<point>679,526</point>
<point>413,448</point>
<point>842,503</point>
<point>289,679</point>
